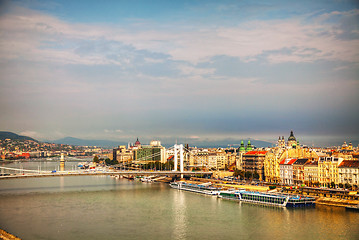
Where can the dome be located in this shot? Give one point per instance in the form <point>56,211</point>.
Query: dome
<point>137,143</point>
<point>291,137</point>
<point>242,148</point>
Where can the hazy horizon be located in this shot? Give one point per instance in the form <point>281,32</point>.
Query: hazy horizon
<point>195,70</point>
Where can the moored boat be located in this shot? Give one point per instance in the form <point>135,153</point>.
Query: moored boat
<point>352,208</point>
<point>204,188</point>
<point>272,199</point>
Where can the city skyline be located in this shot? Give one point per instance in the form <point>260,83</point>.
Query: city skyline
<point>198,70</point>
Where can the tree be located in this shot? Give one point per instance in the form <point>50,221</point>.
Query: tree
<point>248,175</point>
<point>347,185</point>
<point>341,185</point>
<point>95,159</point>
<point>332,185</point>
<point>255,175</point>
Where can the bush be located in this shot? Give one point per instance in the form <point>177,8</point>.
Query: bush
<point>272,187</point>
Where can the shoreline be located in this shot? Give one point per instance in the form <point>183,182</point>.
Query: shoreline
<point>327,201</point>
<point>4,235</point>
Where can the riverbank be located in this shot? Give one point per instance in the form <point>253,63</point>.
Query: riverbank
<point>335,202</point>
<point>7,236</point>
<point>328,201</point>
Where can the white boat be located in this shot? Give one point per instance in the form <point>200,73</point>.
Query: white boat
<point>204,188</point>
<point>279,200</point>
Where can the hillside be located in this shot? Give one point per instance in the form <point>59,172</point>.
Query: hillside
<point>13,136</point>
<point>85,142</point>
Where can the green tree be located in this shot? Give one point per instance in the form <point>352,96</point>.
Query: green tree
<point>332,185</point>
<point>96,159</point>
<point>341,185</point>
<point>347,186</point>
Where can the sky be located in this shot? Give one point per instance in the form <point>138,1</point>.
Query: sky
<point>180,70</point>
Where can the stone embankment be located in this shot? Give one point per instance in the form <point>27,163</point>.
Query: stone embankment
<point>7,236</point>
<point>336,202</point>
<point>329,201</point>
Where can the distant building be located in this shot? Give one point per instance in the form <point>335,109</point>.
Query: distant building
<point>328,170</point>
<point>298,171</point>
<point>292,141</point>
<point>311,174</point>
<point>281,142</point>
<point>286,170</point>
<point>271,165</point>
<point>349,172</point>
<point>149,153</point>
<point>253,161</point>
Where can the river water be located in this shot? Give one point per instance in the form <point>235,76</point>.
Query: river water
<point>102,207</point>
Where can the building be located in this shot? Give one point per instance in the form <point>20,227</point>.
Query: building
<point>253,161</point>
<point>328,171</point>
<point>311,174</point>
<point>281,142</point>
<point>271,165</point>
<point>292,141</point>
<point>212,160</point>
<point>349,172</point>
<point>150,153</point>
<point>286,171</point>
<point>298,171</point>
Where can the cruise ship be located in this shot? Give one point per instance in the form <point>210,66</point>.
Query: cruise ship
<point>272,199</point>
<point>204,188</point>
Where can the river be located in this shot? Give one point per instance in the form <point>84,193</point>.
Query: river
<point>102,207</point>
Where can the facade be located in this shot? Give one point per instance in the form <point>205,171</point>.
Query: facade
<point>271,166</point>
<point>212,160</point>
<point>221,160</point>
<point>281,142</point>
<point>286,171</point>
<point>311,178</point>
<point>150,153</point>
<point>298,171</point>
<point>253,161</point>
<point>349,172</point>
<point>328,171</point>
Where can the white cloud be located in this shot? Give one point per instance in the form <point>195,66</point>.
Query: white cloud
<point>35,36</point>
<point>32,134</point>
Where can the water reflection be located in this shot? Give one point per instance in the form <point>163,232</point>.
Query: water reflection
<point>180,217</point>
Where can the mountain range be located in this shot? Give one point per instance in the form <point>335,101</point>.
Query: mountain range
<point>112,144</point>
<point>86,142</point>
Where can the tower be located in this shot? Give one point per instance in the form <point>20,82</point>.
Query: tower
<point>62,162</point>
<point>291,140</point>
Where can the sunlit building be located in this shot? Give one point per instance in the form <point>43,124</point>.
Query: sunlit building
<point>349,172</point>
<point>328,172</point>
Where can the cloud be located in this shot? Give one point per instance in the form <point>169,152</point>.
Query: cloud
<point>32,134</point>
<point>34,36</point>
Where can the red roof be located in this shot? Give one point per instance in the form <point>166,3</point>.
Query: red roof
<point>256,153</point>
<point>349,164</point>
<point>289,163</point>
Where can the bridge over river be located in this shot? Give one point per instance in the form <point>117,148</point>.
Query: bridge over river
<point>9,173</point>
<point>24,173</point>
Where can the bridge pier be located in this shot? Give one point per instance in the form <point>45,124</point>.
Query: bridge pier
<point>178,148</point>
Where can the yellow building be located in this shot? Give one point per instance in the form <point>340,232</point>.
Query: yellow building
<point>328,170</point>
<point>349,172</point>
<point>311,177</point>
<point>271,166</point>
<point>274,157</point>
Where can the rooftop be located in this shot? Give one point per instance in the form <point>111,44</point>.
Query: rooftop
<point>349,164</point>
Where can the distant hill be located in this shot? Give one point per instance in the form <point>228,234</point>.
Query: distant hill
<point>85,142</point>
<point>13,136</point>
